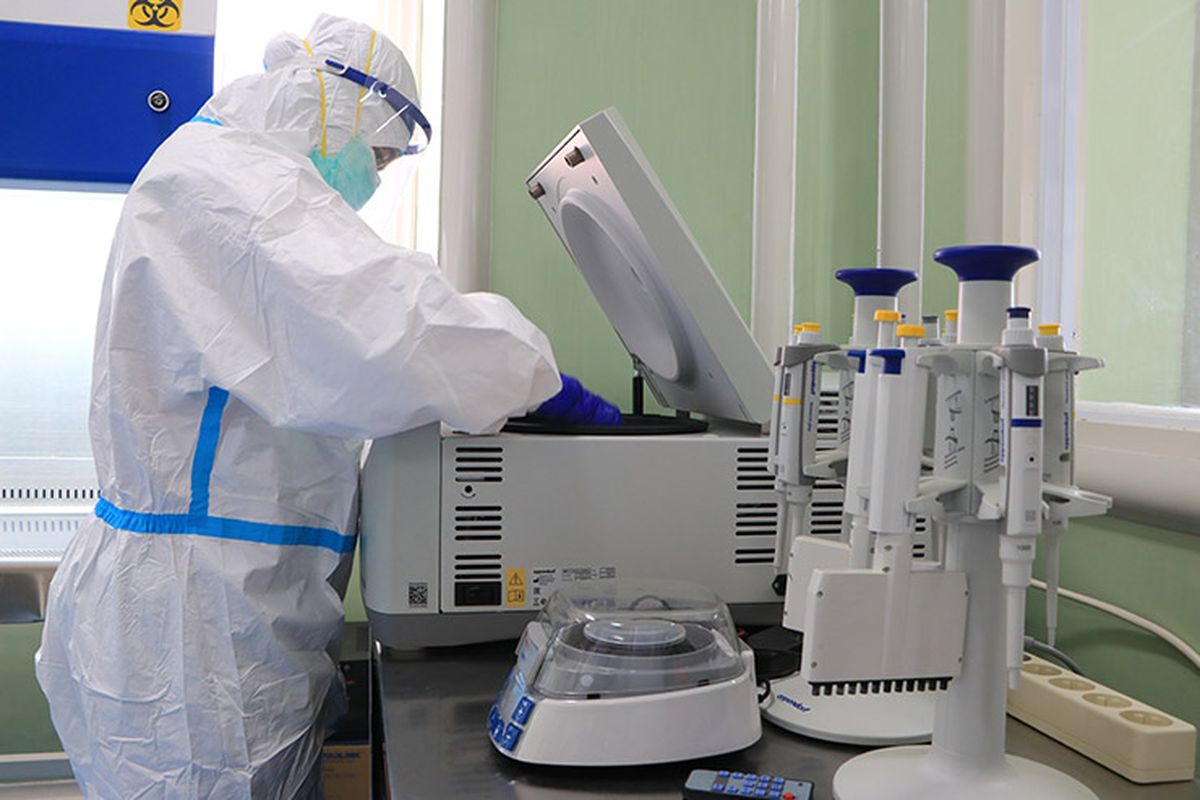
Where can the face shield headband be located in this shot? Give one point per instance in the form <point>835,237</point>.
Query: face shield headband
<point>406,109</point>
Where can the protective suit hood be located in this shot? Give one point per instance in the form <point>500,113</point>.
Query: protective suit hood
<point>302,106</point>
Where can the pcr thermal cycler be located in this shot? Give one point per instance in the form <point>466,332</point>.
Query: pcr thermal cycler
<point>464,538</point>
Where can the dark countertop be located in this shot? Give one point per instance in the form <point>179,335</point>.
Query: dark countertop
<point>434,706</point>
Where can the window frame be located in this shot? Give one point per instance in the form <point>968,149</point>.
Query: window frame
<point>1136,453</point>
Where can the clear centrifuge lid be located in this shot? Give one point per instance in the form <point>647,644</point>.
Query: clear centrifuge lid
<point>648,274</point>
<point>622,637</point>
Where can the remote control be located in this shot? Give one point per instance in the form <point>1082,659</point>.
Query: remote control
<point>706,783</point>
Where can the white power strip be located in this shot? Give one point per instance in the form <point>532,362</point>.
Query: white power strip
<point>1132,739</point>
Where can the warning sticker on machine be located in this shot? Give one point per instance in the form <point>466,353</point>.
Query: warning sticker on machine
<point>514,587</point>
<point>545,580</point>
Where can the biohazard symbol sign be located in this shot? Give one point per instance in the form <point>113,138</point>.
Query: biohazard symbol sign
<point>155,15</point>
<point>514,587</point>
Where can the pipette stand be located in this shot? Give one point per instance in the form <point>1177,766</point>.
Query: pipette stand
<point>873,720</point>
<point>967,757</point>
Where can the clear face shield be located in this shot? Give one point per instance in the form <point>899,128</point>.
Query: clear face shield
<point>397,132</point>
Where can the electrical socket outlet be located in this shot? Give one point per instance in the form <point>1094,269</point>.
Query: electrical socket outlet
<point>1134,740</point>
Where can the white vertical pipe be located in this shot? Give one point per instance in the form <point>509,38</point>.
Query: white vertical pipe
<point>985,121</point>
<point>903,28</point>
<point>1059,235</point>
<point>465,243</point>
<point>1022,140</point>
<point>773,253</point>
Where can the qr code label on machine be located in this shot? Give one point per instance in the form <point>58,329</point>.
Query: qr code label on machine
<point>418,595</point>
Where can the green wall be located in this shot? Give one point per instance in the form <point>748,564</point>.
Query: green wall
<point>1137,164</point>
<point>681,73</point>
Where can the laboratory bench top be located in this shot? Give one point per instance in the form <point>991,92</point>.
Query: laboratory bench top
<point>433,707</point>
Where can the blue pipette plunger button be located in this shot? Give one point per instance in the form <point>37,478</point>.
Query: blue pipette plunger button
<point>876,281</point>
<point>986,262</point>
<point>1019,312</point>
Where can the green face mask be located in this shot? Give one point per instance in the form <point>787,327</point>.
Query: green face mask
<point>351,171</point>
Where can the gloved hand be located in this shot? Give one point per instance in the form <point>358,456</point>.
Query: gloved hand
<point>575,405</point>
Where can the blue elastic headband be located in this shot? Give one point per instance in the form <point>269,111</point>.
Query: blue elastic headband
<point>409,112</point>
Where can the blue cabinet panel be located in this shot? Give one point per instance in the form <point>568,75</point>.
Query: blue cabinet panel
<point>76,106</point>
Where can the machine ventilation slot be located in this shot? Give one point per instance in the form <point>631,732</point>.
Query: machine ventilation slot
<point>828,498</point>
<point>17,524</point>
<point>81,494</point>
<point>825,512</point>
<point>478,464</point>
<point>477,566</point>
<point>753,472</point>
<point>478,523</point>
<point>827,420</point>
<point>754,555</point>
<point>757,519</point>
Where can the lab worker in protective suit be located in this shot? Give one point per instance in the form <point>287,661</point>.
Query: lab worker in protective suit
<point>253,331</point>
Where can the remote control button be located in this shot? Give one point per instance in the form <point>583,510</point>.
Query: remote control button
<point>723,773</point>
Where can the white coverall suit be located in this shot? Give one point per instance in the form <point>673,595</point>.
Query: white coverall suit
<point>252,332</point>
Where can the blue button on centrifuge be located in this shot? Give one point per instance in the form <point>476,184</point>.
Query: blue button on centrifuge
<point>511,735</point>
<point>521,712</point>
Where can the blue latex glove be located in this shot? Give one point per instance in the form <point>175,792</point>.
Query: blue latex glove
<point>575,405</point>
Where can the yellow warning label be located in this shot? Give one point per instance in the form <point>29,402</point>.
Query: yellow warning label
<point>155,15</point>
<point>514,587</point>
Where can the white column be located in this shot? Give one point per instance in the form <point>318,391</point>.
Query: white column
<point>1022,115</point>
<point>902,60</point>
<point>985,121</point>
<point>773,255</point>
<point>464,250</point>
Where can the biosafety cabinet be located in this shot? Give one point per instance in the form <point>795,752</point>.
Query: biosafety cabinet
<point>98,86</point>
<point>464,538</point>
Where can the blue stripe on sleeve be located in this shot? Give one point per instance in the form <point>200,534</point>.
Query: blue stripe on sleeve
<point>206,450</point>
